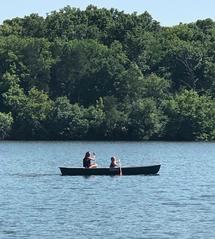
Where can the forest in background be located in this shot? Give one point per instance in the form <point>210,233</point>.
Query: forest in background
<point>99,74</point>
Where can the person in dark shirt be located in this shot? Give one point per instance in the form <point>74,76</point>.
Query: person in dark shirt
<point>87,161</point>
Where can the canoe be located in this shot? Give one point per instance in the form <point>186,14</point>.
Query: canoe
<point>146,170</point>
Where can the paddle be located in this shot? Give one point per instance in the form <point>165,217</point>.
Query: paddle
<point>120,168</point>
<point>94,159</point>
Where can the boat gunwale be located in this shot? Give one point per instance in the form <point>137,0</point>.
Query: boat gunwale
<point>147,166</point>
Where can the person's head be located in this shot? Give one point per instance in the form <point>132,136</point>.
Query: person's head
<point>87,154</point>
<point>113,159</point>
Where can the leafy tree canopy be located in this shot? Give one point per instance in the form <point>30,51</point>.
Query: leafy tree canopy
<point>105,74</point>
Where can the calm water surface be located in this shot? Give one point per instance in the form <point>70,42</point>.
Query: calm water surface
<point>36,202</point>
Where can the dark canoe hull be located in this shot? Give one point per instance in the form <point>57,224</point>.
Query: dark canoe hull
<point>146,170</point>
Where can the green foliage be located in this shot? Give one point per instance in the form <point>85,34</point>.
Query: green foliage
<point>11,27</point>
<point>30,111</point>
<point>30,58</point>
<point>8,81</point>
<point>67,121</point>
<point>95,116</point>
<point>185,63</point>
<point>15,99</point>
<point>87,70</point>
<point>191,117</point>
<point>6,121</point>
<point>146,121</point>
<point>155,87</point>
<point>115,123</point>
<point>105,74</point>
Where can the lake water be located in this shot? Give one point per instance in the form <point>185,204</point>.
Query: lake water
<point>36,202</point>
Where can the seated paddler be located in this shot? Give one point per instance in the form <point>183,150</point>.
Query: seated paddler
<point>114,162</point>
<point>89,160</point>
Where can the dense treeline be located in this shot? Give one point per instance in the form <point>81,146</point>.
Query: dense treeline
<point>105,74</point>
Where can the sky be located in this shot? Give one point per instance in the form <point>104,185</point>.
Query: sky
<point>167,12</point>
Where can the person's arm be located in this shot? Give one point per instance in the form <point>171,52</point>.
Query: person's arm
<point>93,157</point>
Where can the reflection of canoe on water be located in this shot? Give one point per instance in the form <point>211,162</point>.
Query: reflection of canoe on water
<point>146,170</point>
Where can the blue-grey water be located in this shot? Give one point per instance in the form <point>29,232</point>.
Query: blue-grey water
<point>36,202</point>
